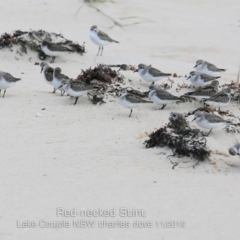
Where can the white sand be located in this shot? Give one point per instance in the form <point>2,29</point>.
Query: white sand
<point>91,157</point>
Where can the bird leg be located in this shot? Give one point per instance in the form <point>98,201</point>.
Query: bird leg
<point>4,93</point>
<point>54,90</point>
<point>163,106</point>
<point>0,91</point>
<point>209,132</point>
<point>130,113</point>
<point>102,51</point>
<point>53,59</point>
<point>76,100</point>
<point>62,93</point>
<point>98,50</point>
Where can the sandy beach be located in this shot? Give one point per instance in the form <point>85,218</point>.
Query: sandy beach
<point>92,157</point>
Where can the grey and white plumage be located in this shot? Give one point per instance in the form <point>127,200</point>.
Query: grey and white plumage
<point>100,38</point>
<point>221,99</point>
<point>150,74</point>
<point>160,96</point>
<point>7,81</point>
<point>131,101</point>
<point>205,92</point>
<point>76,88</point>
<point>47,73</point>
<point>53,49</point>
<point>207,68</point>
<point>209,121</point>
<point>58,78</point>
<point>201,79</point>
<point>235,149</point>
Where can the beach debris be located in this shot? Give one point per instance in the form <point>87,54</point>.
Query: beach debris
<point>123,67</point>
<point>175,75</point>
<point>183,140</point>
<point>33,39</point>
<point>102,74</point>
<point>91,4</point>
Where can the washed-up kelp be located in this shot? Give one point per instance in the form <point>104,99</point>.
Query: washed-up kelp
<point>177,135</point>
<point>33,40</point>
<point>102,78</point>
<point>100,73</point>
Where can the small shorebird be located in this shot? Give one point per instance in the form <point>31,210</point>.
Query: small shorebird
<point>129,100</point>
<point>100,38</point>
<point>53,49</point>
<point>221,99</point>
<point>235,149</point>
<point>47,73</point>
<point>200,79</point>
<point>205,92</point>
<point>150,74</point>
<point>209,121</point>
<point>58,77</point>
<point>7,81</point>
<point>75,88</point>
<point>160,96</point>
<point>207,68</point>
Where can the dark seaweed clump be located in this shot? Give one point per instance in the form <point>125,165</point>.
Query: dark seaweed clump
<point>177,135</point>
<point>33,40</point>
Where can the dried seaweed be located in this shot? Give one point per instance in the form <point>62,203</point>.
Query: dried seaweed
<point>100,73</point>
<point>123,67</point>
<point>33,39</point>
<point>177,135</point>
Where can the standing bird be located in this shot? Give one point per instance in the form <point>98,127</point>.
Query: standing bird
<point>150,74</point>
<point>200,79</point>
<point>209,121</point>
<point>129,100</point>
<point>58,77</point>
<point>75,88</point>
<point>100,38</point>
<point>53,49</point>
<point>47,73</point>
<point>205,92</point>
<point>221,99</point>
<point>7,81</point>
<point>207,68</point>
<point>160,96</point>
<point>235,149</point>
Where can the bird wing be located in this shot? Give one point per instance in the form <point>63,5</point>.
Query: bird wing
<point>80,86</point>
<point>104,36</point>
<point>219,97</point>
<point>207,78</point>
<point>49,74</point>
<point>157,73</point>
<point>164,95</point>
<point>57,47</point>
<point>10,78</point>
<point>135,99</point>
<point>214,119</point>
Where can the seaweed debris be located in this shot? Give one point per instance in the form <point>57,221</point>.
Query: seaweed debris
<point>33,40</point>
<point>100,73</point>
<point>177,135</point>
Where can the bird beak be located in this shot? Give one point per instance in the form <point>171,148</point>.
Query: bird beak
<point>195,66</point>
<point>136,70</point>
<point>60,86</point>
<point>188,77</point>
<point>194,119</point>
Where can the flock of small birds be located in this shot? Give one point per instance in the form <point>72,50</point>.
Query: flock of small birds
<point>204,78</point>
